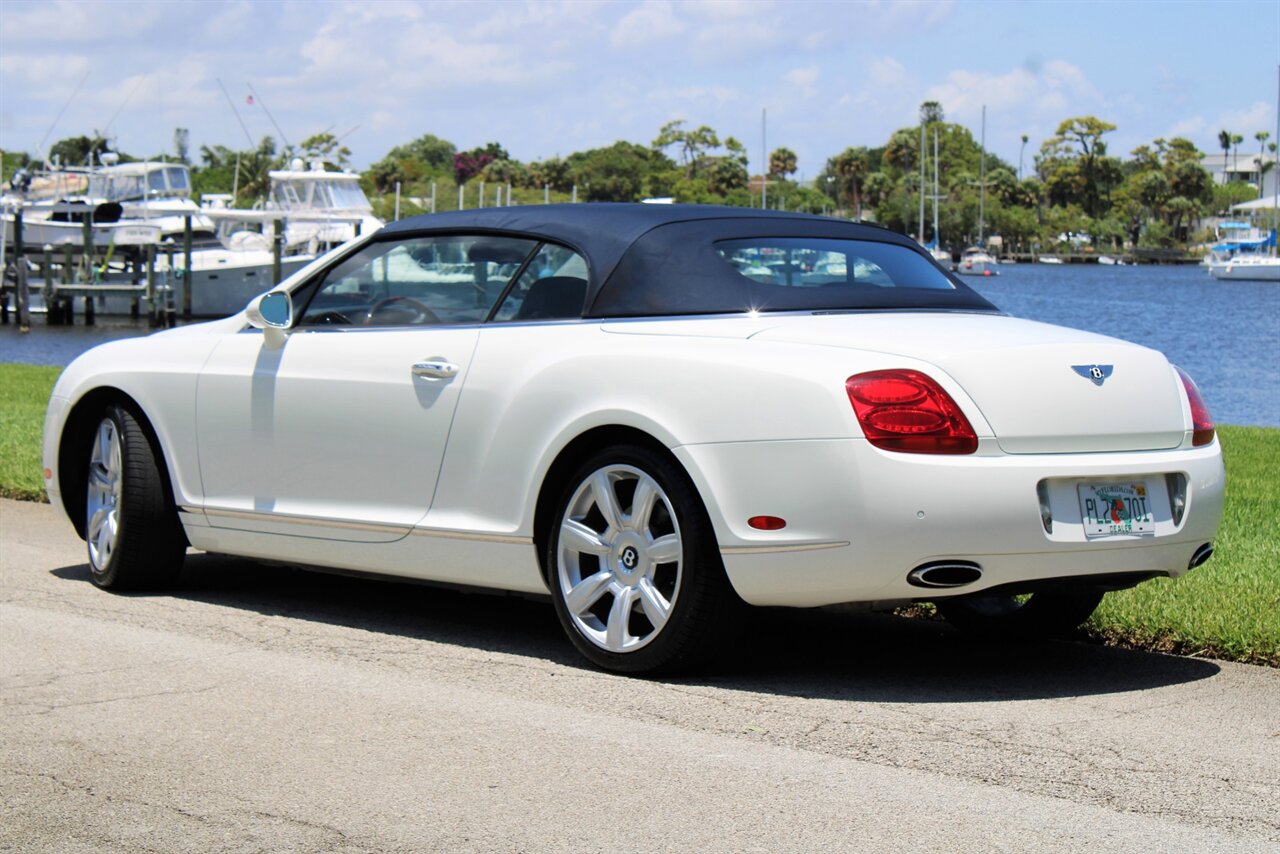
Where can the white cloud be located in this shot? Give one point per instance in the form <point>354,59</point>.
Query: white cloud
<point>886,72</point>
<point>652,21</point>
<point>1055,88</point>
<point>804,79</point>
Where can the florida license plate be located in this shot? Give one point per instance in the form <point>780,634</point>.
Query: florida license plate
<point>1116,509</point>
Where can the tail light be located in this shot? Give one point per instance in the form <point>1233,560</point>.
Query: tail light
<point>906,411</point>
<point>1201,421</point>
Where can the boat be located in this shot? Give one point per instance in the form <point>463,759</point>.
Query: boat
<point>976,261</point>
<point>1249,267</point>
<point>1049,259</point>
<point>1260,262</point>
<point>320,208</point>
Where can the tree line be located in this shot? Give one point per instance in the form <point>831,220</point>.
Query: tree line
<point>1073,188</point>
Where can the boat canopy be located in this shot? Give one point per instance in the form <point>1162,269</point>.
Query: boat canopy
<point>1237,245</point>
<point>129,182</point>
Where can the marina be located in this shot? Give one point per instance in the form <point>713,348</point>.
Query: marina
<point>1226,334</point>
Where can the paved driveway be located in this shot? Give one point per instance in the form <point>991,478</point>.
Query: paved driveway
<point>265,708</point>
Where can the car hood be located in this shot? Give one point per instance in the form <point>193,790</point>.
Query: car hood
<point>1033,382</point>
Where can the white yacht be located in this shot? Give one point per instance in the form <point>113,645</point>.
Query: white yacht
<point>976,261</point>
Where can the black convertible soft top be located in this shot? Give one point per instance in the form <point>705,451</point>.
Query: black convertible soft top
<point>643,259</point>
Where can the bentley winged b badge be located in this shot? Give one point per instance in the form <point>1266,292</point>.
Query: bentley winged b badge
<point>1097,373</point>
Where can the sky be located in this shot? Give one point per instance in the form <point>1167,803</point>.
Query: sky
<point>550,78</point>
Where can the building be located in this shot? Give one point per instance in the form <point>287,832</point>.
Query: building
<point>1241,167</point>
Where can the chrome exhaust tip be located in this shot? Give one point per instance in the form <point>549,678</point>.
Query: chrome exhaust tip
<point>944,574</point>
<point>1202,554</point>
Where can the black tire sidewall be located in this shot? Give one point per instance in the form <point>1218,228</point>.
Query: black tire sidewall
<point>150,545</point>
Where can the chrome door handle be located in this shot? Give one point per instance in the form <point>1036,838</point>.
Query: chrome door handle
<point>435,369</point>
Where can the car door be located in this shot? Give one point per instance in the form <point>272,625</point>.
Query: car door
<point>341,431</point>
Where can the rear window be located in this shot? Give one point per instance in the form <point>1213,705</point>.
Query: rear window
<point>772,264</point>
<point>721,267</point>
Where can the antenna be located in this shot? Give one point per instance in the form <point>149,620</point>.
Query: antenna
<point>56,118</point>
<point>235,112</point>
<point>136,86</point>
<point>258,98</point>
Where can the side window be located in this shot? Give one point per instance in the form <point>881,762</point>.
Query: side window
<point>417,281</point>
<point>552,287</point>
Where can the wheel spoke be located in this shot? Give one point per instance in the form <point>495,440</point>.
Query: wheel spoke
<point>100,478</point>
<point>578,537</point>
<point>606,499</point>
<point>106,535</point>
<point>105,443</point>
<point>95,522</point>
<point>664,549</point>
<point>587,592</point>
<point>642,505</point>
<point>619,617</point>
<point>656,607</point>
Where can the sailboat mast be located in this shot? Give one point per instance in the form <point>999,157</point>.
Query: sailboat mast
<point>1275,198</point>
<point>920,221</point>
<point>936,239</point>
<point>982,187</point>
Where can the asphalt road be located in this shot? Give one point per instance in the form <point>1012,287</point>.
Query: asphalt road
<point>261,708</point>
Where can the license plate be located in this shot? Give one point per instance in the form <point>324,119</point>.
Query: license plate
<point>1116,509</point>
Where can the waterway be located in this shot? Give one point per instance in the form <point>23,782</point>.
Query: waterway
<point>1225,334</point>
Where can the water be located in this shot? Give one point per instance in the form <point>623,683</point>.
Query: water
<point>1225,334</point>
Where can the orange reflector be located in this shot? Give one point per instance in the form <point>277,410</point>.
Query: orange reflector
<point>48,474</point>
<point>767,523</point>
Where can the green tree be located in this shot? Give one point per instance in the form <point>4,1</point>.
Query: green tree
<point>618,173</point>
<point>931,112</point>
<point>782,162</point>
<point>1074,154</point>
<point>182,144</point>
<point>851,168</point>
<point>1224,140</point>
<point>1261,136</point>
<point>327,148</point>
<point>80,150</point>
<point>692,144</point>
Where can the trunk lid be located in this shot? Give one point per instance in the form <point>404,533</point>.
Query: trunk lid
<point>1034,383</point>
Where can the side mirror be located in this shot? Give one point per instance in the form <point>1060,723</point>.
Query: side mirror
<point>273,314</point>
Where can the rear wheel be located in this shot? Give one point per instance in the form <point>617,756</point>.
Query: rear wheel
<point>132,530</point>
<point>1038,615</point>
<point>636,577</point>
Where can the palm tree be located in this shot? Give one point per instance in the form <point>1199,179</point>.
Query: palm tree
<point>1021,151</point>
<point>782,162</point>
<point>1224,140</point>
<point>1236,139</point>
<point>851,168</point>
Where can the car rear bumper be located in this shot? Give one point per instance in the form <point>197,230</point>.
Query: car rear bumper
<point>859,520</point>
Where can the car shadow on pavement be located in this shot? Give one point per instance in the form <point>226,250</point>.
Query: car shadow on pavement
<point>835,653</point>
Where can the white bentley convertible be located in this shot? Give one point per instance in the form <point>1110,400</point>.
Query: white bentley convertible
<point>653,413</point>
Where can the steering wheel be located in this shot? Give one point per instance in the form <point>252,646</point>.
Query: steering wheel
<point>425,314</point>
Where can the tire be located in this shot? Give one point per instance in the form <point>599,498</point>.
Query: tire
<point>134,538</point>
<point>1042,615</point>
<point>637,584</point>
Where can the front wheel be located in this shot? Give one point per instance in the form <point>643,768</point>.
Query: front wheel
<point>635,574</point>
<point>131,527</point>
<point>1039,615</point>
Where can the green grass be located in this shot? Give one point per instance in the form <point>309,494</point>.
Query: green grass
<point>1229,608</point>
<point>24,392</point>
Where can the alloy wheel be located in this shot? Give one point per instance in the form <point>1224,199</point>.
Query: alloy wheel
<point>619,558</point>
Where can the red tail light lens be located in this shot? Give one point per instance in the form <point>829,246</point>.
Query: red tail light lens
<point>1201,421</point>
<point>907,411</point>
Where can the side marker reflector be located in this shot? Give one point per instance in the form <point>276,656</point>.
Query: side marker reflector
<point>767,523</point>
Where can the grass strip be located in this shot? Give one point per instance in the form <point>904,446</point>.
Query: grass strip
<point>24,393</point>
<point>1228,609</point>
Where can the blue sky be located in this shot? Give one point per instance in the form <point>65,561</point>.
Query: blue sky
<point>549,78</point>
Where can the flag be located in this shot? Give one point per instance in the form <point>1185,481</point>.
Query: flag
<point>248,99</point>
